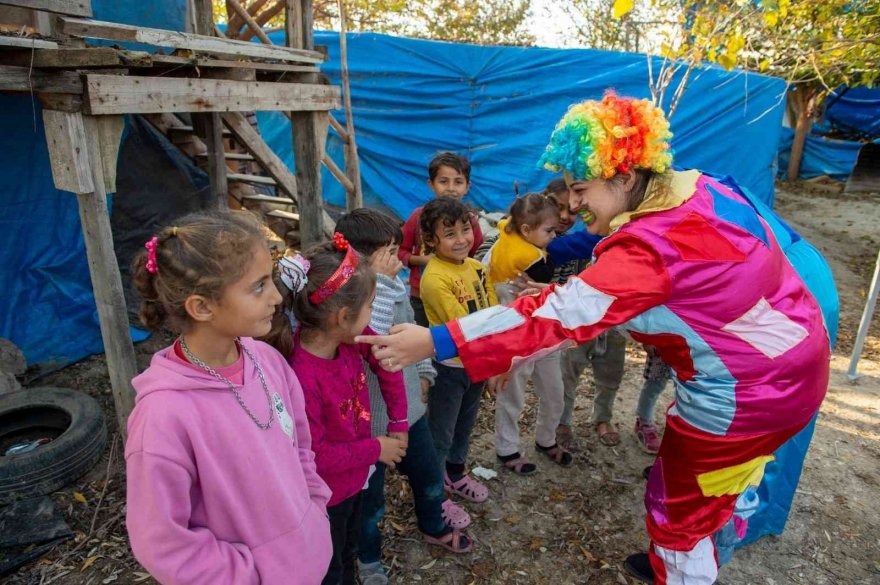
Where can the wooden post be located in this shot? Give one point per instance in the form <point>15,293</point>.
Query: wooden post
<point>305,126</point>
<point>209,126</point>
<point>354,198</point>
<point>76,150</point>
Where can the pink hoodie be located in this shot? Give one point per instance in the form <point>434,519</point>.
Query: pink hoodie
<point>212,498</point>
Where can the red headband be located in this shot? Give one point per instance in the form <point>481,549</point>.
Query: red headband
<point>342,274</point>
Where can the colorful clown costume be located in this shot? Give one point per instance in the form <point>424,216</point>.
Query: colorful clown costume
<point>695,272</point>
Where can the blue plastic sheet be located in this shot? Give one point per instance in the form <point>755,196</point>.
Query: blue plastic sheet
<point>856,110</point>
<point>47,307</point>
<point>498,106</point>
<point>822,156</point>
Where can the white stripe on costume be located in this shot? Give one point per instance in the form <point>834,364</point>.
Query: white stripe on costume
<point>576,304</point>
<point>489,321</point>
<point>769,331</point>
<point>693,567</point>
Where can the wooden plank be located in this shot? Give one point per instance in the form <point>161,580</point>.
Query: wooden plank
<point>340,176</point>
<point>245,15</point>
<point>252,142</point>
<point>109,130</point>
<point>230,156</point>
<point>184,128</point>
<point>24,79</point>
<point>340,131</point>
<point>76,58</point>
<point>110,94</point>
<point>27,43</point>
<point>280,213</point>
<point>202,62</point>
<point>107,283</point>
<point>354,197</point>
<point>68,7</point>
<point>268,199</point>
<point>164,38</point>
<point>65,133</point>
<point>75,138</point>
<point>208,127</point>
<point>256,179</point>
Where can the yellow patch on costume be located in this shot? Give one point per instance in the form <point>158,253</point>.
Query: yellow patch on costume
<point>733,480</point>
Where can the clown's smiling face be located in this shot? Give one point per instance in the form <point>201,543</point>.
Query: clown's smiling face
<point>597,202</point>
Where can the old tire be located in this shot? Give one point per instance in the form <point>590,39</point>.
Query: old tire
<point>73,419</point>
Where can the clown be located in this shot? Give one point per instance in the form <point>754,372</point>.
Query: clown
<point>688,267</point>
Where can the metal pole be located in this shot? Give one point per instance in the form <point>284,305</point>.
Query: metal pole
<point>852,373</point>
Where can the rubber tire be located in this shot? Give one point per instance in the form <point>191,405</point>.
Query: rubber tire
<point>60,462</point>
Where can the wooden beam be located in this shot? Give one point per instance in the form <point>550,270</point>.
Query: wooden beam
<point>73,137</point>
<point>245,15</point>
<point>256,179</point>
<point>202,62</point>
<point>24,79</point>
<point>76,58</point>
<point>354,197</point>
<point>340,131</point>
<point>65,135</point>
<point>112,94</point>
<point>339,174</point>
<point>68,7</point>
<point>27,43</point>
<point>200,43</point>
<point>109,129</point>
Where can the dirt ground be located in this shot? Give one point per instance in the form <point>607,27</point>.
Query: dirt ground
<point>577,525</point>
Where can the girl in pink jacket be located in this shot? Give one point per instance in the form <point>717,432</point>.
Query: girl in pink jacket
<point>222,485</point>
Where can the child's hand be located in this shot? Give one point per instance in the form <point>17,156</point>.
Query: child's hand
<point>392,451</point>
<point>498,383</point>
<point>402,437</point>
<point>426,385</point>
<point>524,286</point>
<point>384,262</point>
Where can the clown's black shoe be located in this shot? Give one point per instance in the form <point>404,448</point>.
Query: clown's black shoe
<point>639,566</point>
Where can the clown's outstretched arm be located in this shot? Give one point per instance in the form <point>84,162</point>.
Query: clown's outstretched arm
<point>628,278</point>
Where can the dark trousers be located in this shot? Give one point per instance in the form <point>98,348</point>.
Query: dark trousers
<point>344,526</point>
<point>419,309</point>
<point>453,405</point>
<point>425,474</point>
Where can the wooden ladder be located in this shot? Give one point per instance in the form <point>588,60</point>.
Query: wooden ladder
<point>245,22</point>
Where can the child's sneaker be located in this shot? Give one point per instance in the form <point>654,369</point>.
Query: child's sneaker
<point>648,436</point>
<point>467,487</point>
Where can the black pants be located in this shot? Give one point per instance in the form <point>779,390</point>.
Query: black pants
<point>345,526</point>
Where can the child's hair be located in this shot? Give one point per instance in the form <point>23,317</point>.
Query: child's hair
<point>200,254</point>
<point>556,186</point>
<point>443,210</point>
<point>367,230</point>
<point>532,209</point>
<point>453,161</point>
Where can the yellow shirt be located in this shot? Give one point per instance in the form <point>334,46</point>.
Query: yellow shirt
<point>512,254</point>
<point>451,291</point>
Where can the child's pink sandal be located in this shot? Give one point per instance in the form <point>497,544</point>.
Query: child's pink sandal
<point>468,488</point>
<point>456,541</point>
<point>454,515</point>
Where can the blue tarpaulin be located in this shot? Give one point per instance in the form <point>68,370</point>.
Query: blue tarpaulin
<point>498,105</point>
<point>47,307</point>
<point>855,110</point>
<point>822,156</point>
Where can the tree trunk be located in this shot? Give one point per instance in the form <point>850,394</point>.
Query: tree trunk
<point>802,103</point>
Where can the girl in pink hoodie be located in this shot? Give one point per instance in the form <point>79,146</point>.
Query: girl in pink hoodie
<point>331,293</point>
<point>222,485</point>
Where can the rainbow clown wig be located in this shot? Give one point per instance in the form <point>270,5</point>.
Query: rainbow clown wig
<point>599,139</point>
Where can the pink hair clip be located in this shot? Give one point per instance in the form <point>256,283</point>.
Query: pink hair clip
<point>151,265</point>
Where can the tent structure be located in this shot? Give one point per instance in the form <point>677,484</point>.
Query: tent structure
<point>410,99</point>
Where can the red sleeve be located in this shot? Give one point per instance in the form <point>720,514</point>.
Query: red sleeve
<point>628,278</point>
<point>478,234</point>
<point>410,230</point>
